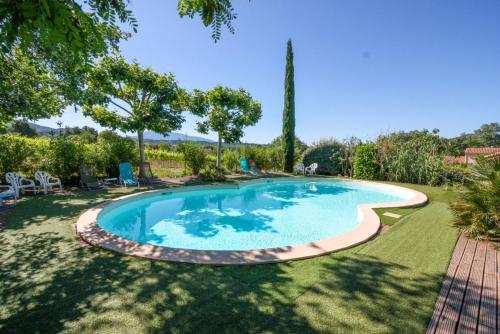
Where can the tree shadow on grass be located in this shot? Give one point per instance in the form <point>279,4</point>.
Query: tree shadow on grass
<point>45,289</point>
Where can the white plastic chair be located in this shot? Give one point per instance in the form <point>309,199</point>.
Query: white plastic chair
<point>311,169</point>
<point>47,181</point>
<point>19,183</point>
<point>299,168</point>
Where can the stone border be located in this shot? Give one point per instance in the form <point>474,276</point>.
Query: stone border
<point>88,229</point>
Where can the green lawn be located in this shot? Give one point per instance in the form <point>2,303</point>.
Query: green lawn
<point>49,283</point>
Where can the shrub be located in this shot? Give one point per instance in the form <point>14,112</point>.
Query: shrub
<point>257,154</point>
<point>478,210</point>
<point>63,157</point>
<point>328,156</point>
<point>366,165</point>
<point>231,160</point>
<point>414,157</point>
<point>194,156</point>
<point>213,173</point>
<point>116,149</point>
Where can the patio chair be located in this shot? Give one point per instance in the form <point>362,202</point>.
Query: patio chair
<point>245,168</point>
<point>311,169</point>
<point>88,177</point>
<point>47,181</point>
<point>20,184</point>
<point>127,177</point>
<point>7,192</point>
<point>299,168</point>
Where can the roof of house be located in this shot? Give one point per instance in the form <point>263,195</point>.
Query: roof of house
<point>454,160</point>
<point>482,150</point>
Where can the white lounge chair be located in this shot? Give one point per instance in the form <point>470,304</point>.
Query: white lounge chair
<point>47,181</point>
<point>19,183</point>
<point>299,168</point>
<point>311,169</point>
<point>8,191</point>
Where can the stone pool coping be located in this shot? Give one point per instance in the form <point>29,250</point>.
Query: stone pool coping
<point>88,229</point>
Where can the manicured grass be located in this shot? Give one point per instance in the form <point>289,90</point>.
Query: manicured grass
<point>50,284</point>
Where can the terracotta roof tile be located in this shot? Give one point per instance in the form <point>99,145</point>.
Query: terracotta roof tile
<point>482,150</point>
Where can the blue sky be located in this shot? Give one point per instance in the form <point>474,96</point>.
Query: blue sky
<point>361,67</point>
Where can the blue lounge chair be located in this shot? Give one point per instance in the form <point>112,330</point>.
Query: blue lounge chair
<point>7,193</point>
<point>245,168</point>
<point>127,177</point>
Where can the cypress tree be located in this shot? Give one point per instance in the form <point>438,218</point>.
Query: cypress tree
<point>288,134</point>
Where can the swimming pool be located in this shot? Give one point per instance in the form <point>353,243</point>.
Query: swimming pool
<point>263,215</point>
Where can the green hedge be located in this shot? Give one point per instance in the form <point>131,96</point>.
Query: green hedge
<point>366,165</point>
<point>328,156</point>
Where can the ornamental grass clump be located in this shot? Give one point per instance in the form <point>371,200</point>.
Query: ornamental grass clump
<point>477,212</point>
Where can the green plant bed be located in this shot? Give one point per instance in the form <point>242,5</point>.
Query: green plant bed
<point>51,284</point>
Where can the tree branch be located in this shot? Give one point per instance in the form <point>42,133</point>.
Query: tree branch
<point>119,106</point>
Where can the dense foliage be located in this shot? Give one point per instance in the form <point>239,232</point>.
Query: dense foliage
<point>327,154</point>
<point>195,156</point>
<point>366,165</point>
<point>62,155</point>
<point>478,210</point>
<point>288,132</point>
<point>486,136</point>
<point>413,157</point>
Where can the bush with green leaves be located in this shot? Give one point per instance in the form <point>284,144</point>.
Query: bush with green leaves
<point>327,154</point>
<point>413,157</point>
<point>63,157</point>
<point>478,210</point>
<point>116,149</point>
<point>213,174</point>
<point>20,154</point>
<point>231,160</point>
<point>194,156</point>
<point>366,165</point>
<point>256,154</point>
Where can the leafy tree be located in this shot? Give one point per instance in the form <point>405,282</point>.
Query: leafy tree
<point>366,164</point>
<point>276,152</point>
<point>478,209</point>
<point>487,135</point>
<point>288,135</point>
<point>228,111</point>
<point>132,99</point>
<point>63,39</point>
<point>27,90</point>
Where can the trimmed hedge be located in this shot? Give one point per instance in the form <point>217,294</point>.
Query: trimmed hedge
<point>328,156</point>
<point>366,165</point>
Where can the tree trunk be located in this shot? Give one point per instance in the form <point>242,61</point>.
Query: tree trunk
<point>219,152</point>
<point>140,136</point>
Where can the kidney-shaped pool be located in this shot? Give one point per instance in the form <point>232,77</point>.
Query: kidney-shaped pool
<point>263,215</point>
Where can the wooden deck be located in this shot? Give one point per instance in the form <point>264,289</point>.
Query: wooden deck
<point>468,300</point>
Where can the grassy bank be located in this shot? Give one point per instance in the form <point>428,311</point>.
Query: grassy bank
<point>49,283</point>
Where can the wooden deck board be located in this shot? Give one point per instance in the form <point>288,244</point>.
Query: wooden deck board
<point>470,307</point>
<point>448,280</point>
<point>468,299</point>
<point>451,311</point>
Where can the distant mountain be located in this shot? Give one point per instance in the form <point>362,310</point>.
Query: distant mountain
<point>42,129</point>
<point>148,135</point>
<point>173,136</point>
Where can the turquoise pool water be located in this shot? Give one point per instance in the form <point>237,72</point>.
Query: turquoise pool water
<point>255,216</point>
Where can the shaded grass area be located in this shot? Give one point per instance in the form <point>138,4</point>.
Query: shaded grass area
<point>51,284</point>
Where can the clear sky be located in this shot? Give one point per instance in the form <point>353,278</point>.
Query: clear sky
<point>362,67</point>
